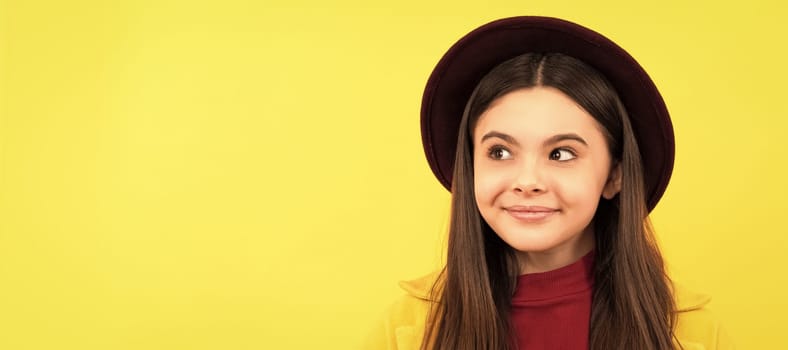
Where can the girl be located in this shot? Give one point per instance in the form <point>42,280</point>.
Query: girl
<point>555,145</point>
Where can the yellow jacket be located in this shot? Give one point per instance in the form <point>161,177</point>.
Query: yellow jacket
<point>403,325</point>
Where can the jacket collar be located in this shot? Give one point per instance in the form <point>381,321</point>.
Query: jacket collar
<point>686,300</point>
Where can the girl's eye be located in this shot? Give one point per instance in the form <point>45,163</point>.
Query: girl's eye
<point>499,153</point>
<point>562,155</point>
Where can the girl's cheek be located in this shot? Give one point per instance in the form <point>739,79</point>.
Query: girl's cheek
<point>489,183</point>
<point>579,188</point>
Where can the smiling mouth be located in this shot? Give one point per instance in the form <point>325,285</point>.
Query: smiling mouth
<point>531,214</point>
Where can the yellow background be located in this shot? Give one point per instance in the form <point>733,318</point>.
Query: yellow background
<point>249,174</point>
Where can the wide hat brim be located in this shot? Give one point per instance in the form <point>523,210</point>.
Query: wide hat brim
<point>462,67</point>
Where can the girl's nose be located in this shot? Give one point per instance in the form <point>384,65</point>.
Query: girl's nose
<point>529,180</point>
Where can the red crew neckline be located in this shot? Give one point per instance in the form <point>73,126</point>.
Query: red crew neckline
<point>574,278</point>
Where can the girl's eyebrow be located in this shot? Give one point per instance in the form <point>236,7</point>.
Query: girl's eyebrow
<point>500,135</point>
<point>562,137</point>
<point>553,139</point>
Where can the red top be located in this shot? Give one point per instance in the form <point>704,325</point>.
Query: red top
<point>552,310</point>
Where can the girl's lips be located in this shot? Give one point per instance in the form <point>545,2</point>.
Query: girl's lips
<point>533,208</point>
<point>531,213</point>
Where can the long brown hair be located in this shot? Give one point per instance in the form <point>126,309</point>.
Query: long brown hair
<point>632,305</point>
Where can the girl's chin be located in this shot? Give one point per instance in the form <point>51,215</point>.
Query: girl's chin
<point>532,245</point>
<point>536,241</point>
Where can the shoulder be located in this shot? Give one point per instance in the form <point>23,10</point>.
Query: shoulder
<point>402,325</point>
<point>697,328</point>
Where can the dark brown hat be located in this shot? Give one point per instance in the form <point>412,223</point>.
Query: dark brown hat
<point>467,61</point>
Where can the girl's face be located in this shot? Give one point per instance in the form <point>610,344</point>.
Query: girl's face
<point>541,163</point>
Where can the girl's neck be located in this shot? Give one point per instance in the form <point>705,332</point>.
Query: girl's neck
<point>558,257</point>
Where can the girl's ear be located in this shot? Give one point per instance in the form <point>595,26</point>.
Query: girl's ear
<point>613,185</point>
